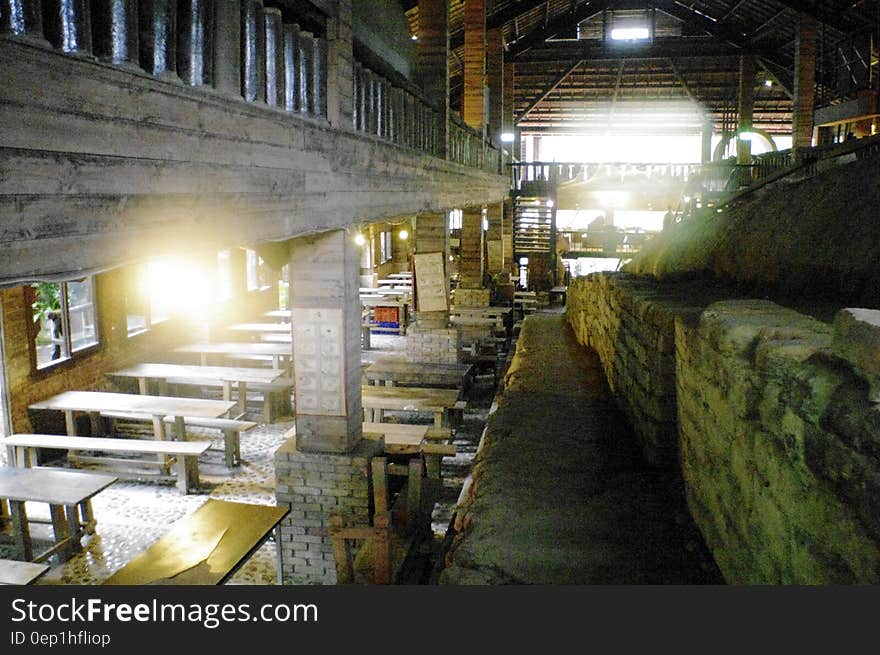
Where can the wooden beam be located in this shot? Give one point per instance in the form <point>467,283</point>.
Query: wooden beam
<point>557,24</point>
<point>540,97</point>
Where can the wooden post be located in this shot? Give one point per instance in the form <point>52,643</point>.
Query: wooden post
<point>341,551</point>
<point>414,492</point>
<point>379,467</point>
<point>382,549</point>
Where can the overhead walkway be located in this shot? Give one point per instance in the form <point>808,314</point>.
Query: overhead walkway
<point>559,493</point>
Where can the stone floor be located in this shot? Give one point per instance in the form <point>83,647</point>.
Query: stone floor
<point>132,515</point>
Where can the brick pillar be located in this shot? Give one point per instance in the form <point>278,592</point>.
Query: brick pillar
<point>324,469</point>
<point>804,84</point>
<point>326,341</point>
<point>495,82</point>
<point>471,261</point>
<point>474,63</point>
<point>746,106</point>
<point>433,67</point>
<point>495,238</point>
<point>227,47</point>
<point>340,68</point>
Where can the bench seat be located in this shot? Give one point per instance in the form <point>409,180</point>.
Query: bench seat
<point>185,454</point>
<point>231,429</point>
<point>14,572</point>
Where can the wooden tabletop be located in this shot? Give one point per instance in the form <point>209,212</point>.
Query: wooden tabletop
<point>204,548</point>
<point>196,372</point>
<point>402,371</point>
<point>260,327</point>
<point>236,348</point>
<point>51,485</point>
<point>13,572</point>
<point>106,443</point>
<point>101,401</point>
<point>408,398</point>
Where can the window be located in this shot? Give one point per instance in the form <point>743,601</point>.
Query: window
<point>284,287</point>
<point>256,271</point>
<point>384,247</point>
<point>64,320</point>
<point>455,219</point>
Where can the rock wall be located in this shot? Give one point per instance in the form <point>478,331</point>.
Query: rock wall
<point>778,442</point>
<point>624,320</point>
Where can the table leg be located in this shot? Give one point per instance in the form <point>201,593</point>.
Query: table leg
<point>227,390</point>
<point>143,386</point>
<point>74,528</point>
<point>438,418</point>
<point>64,536</point>
<point>159,433</point>
<point>242,397</point>
<point>180,428</point>
<point>21,529</point>
<point>278,561</point>
<point>88,516</point>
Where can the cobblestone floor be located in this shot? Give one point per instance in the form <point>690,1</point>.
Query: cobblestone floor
<point>131,515</point>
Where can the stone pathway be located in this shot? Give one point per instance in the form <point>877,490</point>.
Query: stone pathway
<point>560,493</point>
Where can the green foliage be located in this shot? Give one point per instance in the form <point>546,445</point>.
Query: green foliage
<point>48,299</point>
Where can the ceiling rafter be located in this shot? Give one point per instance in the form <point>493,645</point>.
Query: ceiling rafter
<point>830,17</point>
<point>550,89</point>
<point>557,24</point>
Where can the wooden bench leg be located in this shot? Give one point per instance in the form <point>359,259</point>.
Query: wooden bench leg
<point>64,533</point>
<point>74,529</point>
<point>379,469</point>
<point>187,473</point>
<point>414,492</point>
<point>231,447</point>
<point>342,553</point>
<point>382,548</point>
<point>87,516</point>
<point>432,466</point>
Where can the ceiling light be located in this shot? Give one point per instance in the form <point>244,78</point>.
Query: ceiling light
<point>403,234</point>
<point>414,37</point>
<point>768,83</point>
<point>359,239</point>
<point>507,137</point>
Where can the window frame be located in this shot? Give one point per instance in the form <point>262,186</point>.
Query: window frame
<point>68,353</point>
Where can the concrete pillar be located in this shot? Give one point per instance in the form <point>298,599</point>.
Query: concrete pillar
<point>195,30</point>
<point>471,259</point>
<point>22,18</point>
<point>253,51</point>
<point>326,315</point>
<point>68,25</point>
<point>340,68</point>
<point>706,142</point>
<point>495,238</point>
<point>495,82</point>
<point>474,63</point>
<point>432,339</point>
<point>157,24</point>
<point>803,103</point>
<point>227,47</point>
<point>115,31</point>
<point>274,40</point>
<point>433,68</point>
<point>746,107</point>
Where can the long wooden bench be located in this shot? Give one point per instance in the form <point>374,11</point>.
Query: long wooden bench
<point>13,572</point>
<point>229,427</point>
<point>185,454</point>
<point>268,390</point>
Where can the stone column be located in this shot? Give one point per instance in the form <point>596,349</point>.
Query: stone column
<point>474,63</point>
<point>324,470</point>
<point>495,82</point>
<point>746,107</point>
<point>433,67</point>
<point>274,40</point>
<point>115,31</point>
<point>495,238</point>
<point>253,51</point>
<point>471,265</point>
<point>68,25</point>
<point>227,47</point>
<point>340,68</point>
<point>326,343</point>
<point>195,30</point>
<point>803,103</point>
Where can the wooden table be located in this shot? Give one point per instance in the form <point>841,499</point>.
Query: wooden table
<point>194,374</point>
<point>395,370</point>
<point>68,494</point>
<point>412,399</point>
<point>261,328</point>
<point>158,407</point>
<point>277,351</point>
<point>205,548</point>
